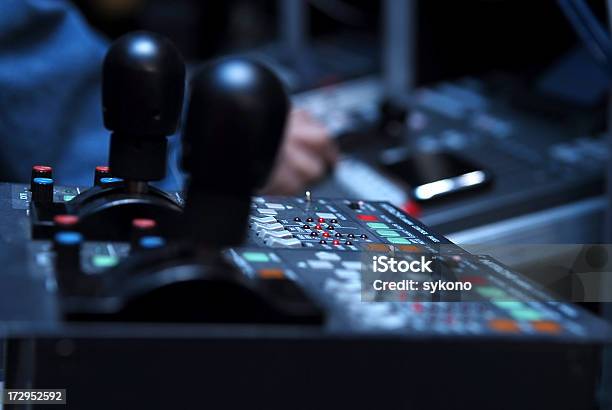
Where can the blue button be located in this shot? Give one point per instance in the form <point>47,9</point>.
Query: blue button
<point>43,181</point>
<point>68,238</point>
<point>150,242</point>
<point>109,180</point>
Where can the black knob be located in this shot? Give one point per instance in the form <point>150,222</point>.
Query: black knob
<point>234,127</point>
<point>142,94</point>
<point>42,190</point>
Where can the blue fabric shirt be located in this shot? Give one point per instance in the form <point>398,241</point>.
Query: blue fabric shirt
<point>50,102</point>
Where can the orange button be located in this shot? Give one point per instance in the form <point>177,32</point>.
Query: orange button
<point>378,247</point>
<point>409,248</point>
<point>546,326</point>
<point>271,273</point>
<point>504,325</point>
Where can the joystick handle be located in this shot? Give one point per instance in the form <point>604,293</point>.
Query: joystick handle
<point>142,94</point>
<point>234,127</point>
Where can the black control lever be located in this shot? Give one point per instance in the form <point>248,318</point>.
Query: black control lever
<point>234,127</point>
<point>142,97</point>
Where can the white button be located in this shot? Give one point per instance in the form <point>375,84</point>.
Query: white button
<point>326,215</point>
<point>266,211</point>
<point>269,227</point>
<point>328,256</point>
<point>347,274</point>
<point>316,264</point>
<point>353,265</point>
<point>264,219</point>
<point>286,243</point>
<point>275,206</point>
<point>265,234</point>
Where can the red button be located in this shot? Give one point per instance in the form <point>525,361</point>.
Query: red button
<point>412,209</point>
<point>102,168</point>
<point>65,219</point>
<point>336,242</point>
<point>326,234</point>
<point>368,218</point>
<point>42,168</point>
<point>321,220</point>
<point>143,223</point>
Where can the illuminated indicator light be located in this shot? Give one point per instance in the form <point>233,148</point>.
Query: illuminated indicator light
<point>42,168</point>
<point>318,227</point>
<point>525,314</point>
<point>367,218</point>
<point>255,257</point>
<point>491,292</point>
<point>104,261</point>
<point>143,223</point>
<point>321,220</point>
<point>271,273</point>
<point>475,280</point>
<point>150,242</point>
<point>399,241</point>
<point>412,209</point>
<point>504,325</point>
<point>103,169</point>
<point>386,232</point>
<point>43,181</point>
<point>428,191</point>
<point>378,225</point>
<point>68,238</point>
<point>110,180</point>
<point>65,219</point>
<point>378,247</point>
<point>68,197</point>
<point>509,304</point>
<point>326,234</point>
<point>336,242</point>
<point>546,326</point>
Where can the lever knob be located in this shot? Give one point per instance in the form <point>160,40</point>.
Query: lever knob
<point>142,94</point>
<point>234,127</point>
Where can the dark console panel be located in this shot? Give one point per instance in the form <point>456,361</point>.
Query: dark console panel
<point>129,297</point>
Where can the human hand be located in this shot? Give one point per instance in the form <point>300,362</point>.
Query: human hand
<point>306,154</point>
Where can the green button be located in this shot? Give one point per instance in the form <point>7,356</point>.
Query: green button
<point>105,261</point>
<point>68,197</point>
<point>255,257</point>
<point>526,314</point>
<point>491,292</point>
<point>509,304</point>
<point>387,233</point>
<point>399,241</point>
<point>377,225</point>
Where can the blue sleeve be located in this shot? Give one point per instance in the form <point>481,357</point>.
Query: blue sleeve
<point>50,102</point>
<point>50,67</point>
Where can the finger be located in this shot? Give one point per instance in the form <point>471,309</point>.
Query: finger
<point>306,164</point>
